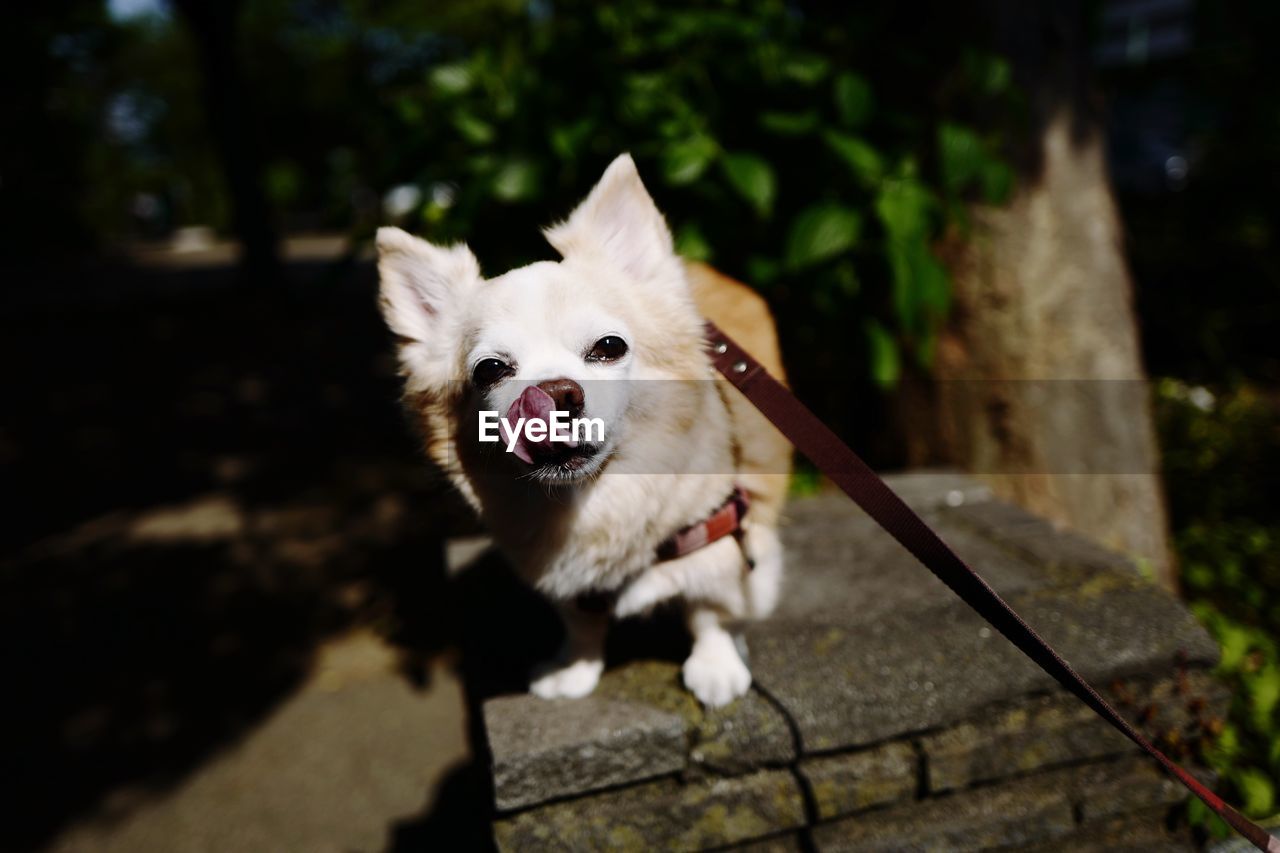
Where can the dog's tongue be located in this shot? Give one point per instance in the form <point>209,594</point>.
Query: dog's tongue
<point>533,402</point>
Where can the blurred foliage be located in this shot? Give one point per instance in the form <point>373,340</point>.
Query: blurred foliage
<point>1222,471</point>
<point>814,150</point>
<point>758,130</point>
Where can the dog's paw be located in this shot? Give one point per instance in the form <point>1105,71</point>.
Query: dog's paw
<point>574,681</point>
<point>715,672</point>
<point>641,595</point>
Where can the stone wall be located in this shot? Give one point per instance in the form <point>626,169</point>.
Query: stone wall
<point>885,715</point>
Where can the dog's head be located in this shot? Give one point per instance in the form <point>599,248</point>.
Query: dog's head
<point>550,335</point>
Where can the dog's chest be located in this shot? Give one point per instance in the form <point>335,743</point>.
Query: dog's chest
<point>602,543</point>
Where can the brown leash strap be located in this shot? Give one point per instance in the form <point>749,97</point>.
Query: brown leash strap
<point>844,468</point>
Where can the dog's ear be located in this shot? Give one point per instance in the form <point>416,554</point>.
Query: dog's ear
<point>619,223</point>
<point>421,285</point>
<point>420,282</point>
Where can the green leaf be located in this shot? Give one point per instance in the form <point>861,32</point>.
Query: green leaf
<point>1226,749</point>
<point>1264,694</point>
<point>845,276</point>
<point>821,232</point>
<point>991,75</point>
<point>933,286</point>
<point>762,270</point>
<point>1259,793</point>
<point>515,181</point>
<point>567,140</point>
<point>789,124</point>
<point>1234,641</point>
<point>997,181</point>
<point>642,97</point>
<point>475,130</point>
<point>805,482</point>
<point>886,364</point>
<point>853,98</point>
<point>903,207</point>
<point>864,161</point>
<point>905,300</point>
<point>691,244</point>
<point>806,68</point>
<point>925,349</point>
<point>1198,814</point>
<point>451,79</point>
<point>961,155</point>
<point>921,287</point>
<point>753,178</point>
<point>684,161</point>
<point>410,110</point>
<point>1197,811</point>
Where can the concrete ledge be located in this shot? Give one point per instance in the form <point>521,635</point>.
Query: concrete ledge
<point>850,782</point>
<point>1026,811</point>
<point>885,714</point>
<point>545,750</point>
<point>663,815</point>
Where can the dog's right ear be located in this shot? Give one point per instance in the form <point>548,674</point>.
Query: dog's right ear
<point>420,282</point>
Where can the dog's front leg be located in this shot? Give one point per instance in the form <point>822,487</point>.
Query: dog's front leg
<point>576,670</point>
<point>714,671</point>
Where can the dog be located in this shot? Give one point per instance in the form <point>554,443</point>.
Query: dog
<point>612,334</point>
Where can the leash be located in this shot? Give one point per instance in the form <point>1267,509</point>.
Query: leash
<point>844,468</point>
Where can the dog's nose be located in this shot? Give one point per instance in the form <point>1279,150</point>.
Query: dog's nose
<point>568,395</point>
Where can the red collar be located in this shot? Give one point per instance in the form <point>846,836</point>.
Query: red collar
<point>725,521</point>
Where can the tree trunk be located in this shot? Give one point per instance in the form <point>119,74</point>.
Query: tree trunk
<point>1039,385</point>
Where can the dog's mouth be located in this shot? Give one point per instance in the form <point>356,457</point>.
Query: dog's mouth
<point>549,458</point>
<point>564,463</point>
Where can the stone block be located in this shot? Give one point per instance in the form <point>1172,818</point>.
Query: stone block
<point>789,842</point>
<point>932,489</point>
<point>1143,831</point>
<point>983,818</point>
<point>745,735</point>
<point>546,749</point>
<point>662,815</point>
<point>849,782</point>
<point>1124,787</point>
<point>851,685</point>
<point>1043,810</point>
<point>842,565</point>
<point>1044,732</point>
<point>1040,541</point>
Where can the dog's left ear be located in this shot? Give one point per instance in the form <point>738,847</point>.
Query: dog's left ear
<point>619,223</point>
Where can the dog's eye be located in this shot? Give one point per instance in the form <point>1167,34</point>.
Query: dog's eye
<point>608,348</point>
<point>489,371</point>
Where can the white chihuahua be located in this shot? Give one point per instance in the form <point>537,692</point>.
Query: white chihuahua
<point>679,497</point>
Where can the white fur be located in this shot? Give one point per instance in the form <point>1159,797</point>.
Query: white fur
<point>667,459</point>
<point>714,671</point>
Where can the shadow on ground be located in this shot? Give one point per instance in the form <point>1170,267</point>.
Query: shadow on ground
<point>203,485</point>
